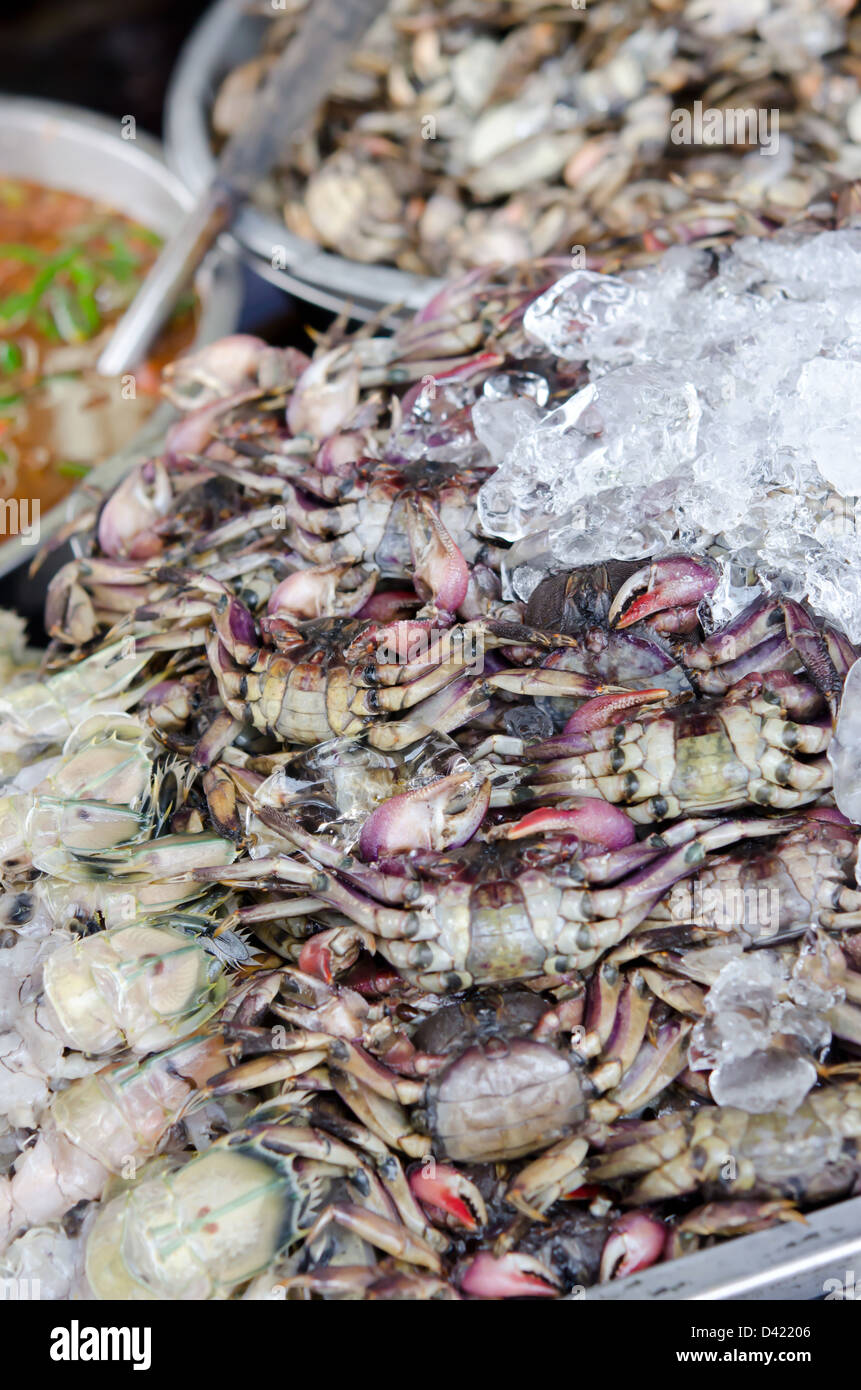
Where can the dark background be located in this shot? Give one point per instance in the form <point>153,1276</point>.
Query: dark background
<point>114,56</point>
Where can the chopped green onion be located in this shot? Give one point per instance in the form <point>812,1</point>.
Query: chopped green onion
<point>184,304</point>
<point>15,251</point>
<point>70,469</point>
<point>15,305</point>
<point>62,303</point>
<point>11,356</point>
<point>45,324</point>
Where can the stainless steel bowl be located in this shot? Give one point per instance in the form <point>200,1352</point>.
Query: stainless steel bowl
<point>68,148</point>
<point>223,38</point>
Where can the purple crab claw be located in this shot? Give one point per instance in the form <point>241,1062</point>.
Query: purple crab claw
<point>339,454</point>
<point>219,369</point>
<point>442,815</point>
<point>389,607</point>
<point>191,436</point>
<point>588,820</point>
<point>322,591</point>
<point>127,519</point>
<point>441,572</point>
<point>325,395</point>
<point>513,1275</point>
<point>636,1241</point>
<point>666,591</point>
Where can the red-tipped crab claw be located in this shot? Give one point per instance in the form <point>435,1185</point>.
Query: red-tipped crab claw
<point>588,820</point>
<point>449,1198</point>
<point>444,814</point>
<point>608,709</point>
<point>322,591</point>
<point>441,572</point>
<point>636,1241</point>
<point>514,1275</point>
<point>333,951</point>
<point>667,592</point>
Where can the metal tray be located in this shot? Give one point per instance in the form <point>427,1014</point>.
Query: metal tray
<point>225,37</point>
<point>790,1262</point>
<point>69,148</point>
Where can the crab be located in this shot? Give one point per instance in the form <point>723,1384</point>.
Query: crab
<point>762,744</point>
<point>624,614</point>
<point>520,900</point>
<point>202,1229</point>
<point>810,1156</point>
<point>495,1076</point>
<point>773,893</point>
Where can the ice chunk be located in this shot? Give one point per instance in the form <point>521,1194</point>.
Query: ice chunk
<point>499,423</point>
<point>506,385</point>
<point>763,1081</point>
<point>825,387</point>
<point>763,1030</point>
<point>717,415</point>
<point>585,299</point>
<point>47,1263</point>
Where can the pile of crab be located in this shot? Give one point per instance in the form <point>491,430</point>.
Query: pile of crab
<point>355,931</point>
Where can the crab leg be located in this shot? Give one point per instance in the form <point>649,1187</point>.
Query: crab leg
<point>379,1232</point>
<point>656,1065</point>
<point>543,1181</point>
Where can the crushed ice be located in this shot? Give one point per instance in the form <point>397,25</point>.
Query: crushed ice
<point>764,1029</point>
<point>719,412</point>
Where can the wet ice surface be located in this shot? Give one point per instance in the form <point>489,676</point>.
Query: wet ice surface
<point>719,407</point>
<point>764,1029</point>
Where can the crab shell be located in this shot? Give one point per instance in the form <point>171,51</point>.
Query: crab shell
<point>502,1096</point>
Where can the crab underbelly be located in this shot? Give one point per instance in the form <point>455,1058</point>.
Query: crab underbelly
<point>707,772</point>
<point>502,942</point>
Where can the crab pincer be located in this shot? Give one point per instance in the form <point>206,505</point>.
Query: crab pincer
<point>441,572</point>
<point>666,593</point>
<point>444,814</point>
<point>450,1199</point>
<point>636,1241</point>
<point>594,823</point>
<point>512,1275</point>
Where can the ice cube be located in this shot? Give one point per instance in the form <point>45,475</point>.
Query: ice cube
<point>763,1082</point>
